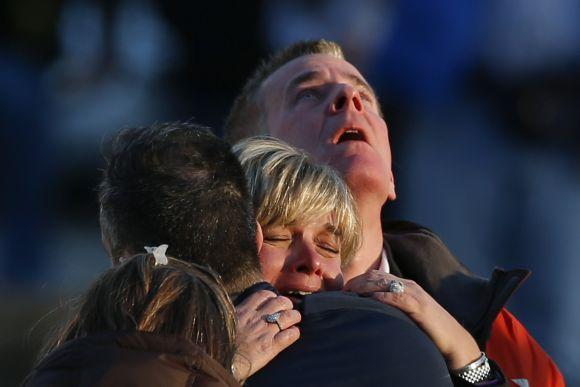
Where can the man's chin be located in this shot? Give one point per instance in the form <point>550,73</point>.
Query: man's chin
<point>365,168</point>
<point>363,183</point>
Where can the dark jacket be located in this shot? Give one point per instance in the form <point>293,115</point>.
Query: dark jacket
<point>347,340</point>
<point>414,252</point>
<point>129,359</point>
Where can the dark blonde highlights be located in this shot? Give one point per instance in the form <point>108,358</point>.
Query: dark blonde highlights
<point>178,299</point>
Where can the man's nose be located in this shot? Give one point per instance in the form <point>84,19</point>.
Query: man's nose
<point>307,260</point>
<point>345,98</point>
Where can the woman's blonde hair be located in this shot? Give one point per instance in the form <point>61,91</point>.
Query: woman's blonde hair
<point>178,298</point>
<point>288,187</point>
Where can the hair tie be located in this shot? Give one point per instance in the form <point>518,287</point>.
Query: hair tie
<point>159,254</point>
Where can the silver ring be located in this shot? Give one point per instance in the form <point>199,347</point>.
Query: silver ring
<point>273,319</point>
<point>396,287</point>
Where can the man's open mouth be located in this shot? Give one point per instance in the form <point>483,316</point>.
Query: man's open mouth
<point>351,134</point>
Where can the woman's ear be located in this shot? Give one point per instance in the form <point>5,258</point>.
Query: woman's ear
<point>259,237</point>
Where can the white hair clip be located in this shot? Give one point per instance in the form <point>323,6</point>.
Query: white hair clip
<point>159,254</point>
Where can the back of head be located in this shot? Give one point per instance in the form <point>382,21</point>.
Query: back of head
<point>176,299</point>
<point>246,115</point>
<point>144,323</point>
<point>178,184</point>
<point>288,187</point>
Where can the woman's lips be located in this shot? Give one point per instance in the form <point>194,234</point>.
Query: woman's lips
<point>298,284</point>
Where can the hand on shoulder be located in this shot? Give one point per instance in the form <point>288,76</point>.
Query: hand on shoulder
<point>456,345</point>
<point>260,339</point>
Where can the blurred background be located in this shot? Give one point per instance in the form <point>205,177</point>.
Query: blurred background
<point>482,99</point>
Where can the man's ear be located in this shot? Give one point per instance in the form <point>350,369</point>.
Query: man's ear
<point>259,237</point>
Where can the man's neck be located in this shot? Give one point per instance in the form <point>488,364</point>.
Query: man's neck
<point>369,255</point>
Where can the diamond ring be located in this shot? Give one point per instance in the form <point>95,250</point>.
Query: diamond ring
<point>273,319</point>
<point>396,287</point>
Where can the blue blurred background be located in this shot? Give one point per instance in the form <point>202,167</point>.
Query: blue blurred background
<point>482,99</point>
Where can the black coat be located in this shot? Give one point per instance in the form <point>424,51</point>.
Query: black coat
<point>347,340</point>
<point>359,342</point>
<point>415,252</point>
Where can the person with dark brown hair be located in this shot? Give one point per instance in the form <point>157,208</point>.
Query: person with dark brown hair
<point>178,184</point>
<point>148,323</point>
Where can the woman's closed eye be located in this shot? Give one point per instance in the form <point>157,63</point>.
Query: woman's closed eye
<point>329,248</point>
<point>329,245</point>
<point>277,237</point>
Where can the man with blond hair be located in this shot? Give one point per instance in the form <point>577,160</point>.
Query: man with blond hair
<point>310,96</point>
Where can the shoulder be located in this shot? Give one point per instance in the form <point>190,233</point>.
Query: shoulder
<point>325,302</point>
<point>347,340</point>
<point>403,226</point>
<point>401,231</point>
<point>419,254</point>
<point>129,358</point>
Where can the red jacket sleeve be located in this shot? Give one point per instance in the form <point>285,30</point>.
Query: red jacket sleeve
<point>520,357</point>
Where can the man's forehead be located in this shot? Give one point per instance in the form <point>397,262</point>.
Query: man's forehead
<point>310,67</point>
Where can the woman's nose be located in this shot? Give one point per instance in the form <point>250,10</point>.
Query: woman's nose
<point>307,259</point>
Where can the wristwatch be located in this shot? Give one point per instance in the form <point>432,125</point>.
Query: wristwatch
<point>476,371</point>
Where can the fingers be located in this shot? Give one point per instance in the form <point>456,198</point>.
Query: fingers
<point>288,318</point>
<point>251,314</point>
<point>373,281</point>
<point>256,299</point>
<point>377,285</point>
<point>405,301</point>
<point>273,305</point>
<point>266,302</point>
<point>252,311</point>
<point>259,340</point>
<point>285,338</point>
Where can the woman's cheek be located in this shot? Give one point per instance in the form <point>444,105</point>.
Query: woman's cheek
<point>333,279</point>
<point>272,262</point>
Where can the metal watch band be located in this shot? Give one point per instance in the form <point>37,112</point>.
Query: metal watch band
<point>476,371</point>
